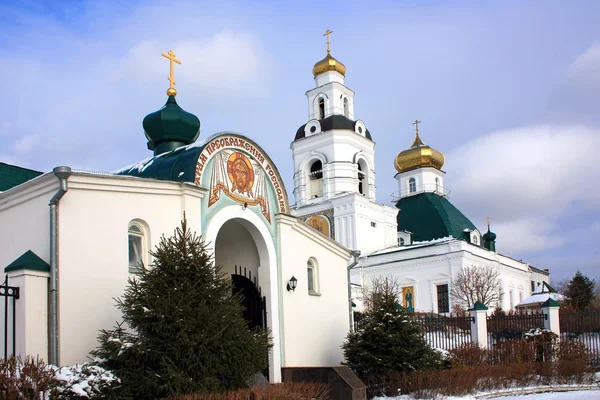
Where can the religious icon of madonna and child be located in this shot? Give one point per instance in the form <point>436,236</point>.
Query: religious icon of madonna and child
<point>240,178</point>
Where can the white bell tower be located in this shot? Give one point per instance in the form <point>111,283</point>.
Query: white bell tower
<point>334,158</point>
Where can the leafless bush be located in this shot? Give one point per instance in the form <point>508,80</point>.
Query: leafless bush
<point>281,391</point>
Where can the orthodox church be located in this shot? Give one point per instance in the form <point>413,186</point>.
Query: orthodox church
<point>69,239</point>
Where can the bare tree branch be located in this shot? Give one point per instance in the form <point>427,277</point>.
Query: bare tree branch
<point>475,283</point>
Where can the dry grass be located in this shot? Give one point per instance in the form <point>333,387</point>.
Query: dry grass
<point>279,391</point>
<point>25,379</point>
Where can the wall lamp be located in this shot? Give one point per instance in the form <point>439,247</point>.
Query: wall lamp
<point>292,284</point>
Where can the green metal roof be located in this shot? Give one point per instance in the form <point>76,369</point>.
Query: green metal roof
<point>29,261</point>
<point>429,216</point>
<point>11,176</point>
<point>178,165</point>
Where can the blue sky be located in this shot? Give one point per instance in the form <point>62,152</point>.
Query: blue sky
<point>509,91</point>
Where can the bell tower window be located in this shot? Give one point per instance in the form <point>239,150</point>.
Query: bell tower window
<point>346,108</point>
<point>361,178</point>
<point>321,108</point>
<point>316,179</point>
<point>412,185</point>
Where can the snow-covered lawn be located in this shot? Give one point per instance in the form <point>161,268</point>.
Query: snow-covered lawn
<point>575,395</point>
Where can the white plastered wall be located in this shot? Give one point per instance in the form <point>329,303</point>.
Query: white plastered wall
<point>314,326</point>
<point>93,248</point>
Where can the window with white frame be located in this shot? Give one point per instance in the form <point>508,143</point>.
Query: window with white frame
<point>412,185</point>
<point>312,276</point>
<point>346,108</point>
<point>437,184</point>
<point>443,299</point>
<point>316,179</point>
<point>321,108</point>
<point>137,246</point>
<point>475,240</point>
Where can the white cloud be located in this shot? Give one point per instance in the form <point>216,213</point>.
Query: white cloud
<point>226,64</point>
<point>524,178</point>
<point>585,67</point>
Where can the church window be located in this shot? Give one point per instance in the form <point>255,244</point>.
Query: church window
<point>346,108</point>
<point>412,185</point>
<point>316,179</point>
<point>520,296</point>
<point>443,302</point>
<point>401,242</point>
<point>136,246</point>
<point>311,275</point>
<point>321,108</point>
<point>437,184</point>
<point>475,240</point>
<point>361,178</point>
<point>373,224</point>
<point>510,300</point>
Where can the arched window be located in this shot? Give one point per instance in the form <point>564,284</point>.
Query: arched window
<point>346,108</point>
<point>137,246</point>
<point>321,108</point>
<point>412,185</point>
<point>361,178</point>
<point>401,242</point>
<point>312,277</point>
<point>437,184</point>
<point>475,240</point>
<point>316,179</point>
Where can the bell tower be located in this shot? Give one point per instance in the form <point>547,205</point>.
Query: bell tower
<point>334,158</point>
<point>333,153</point>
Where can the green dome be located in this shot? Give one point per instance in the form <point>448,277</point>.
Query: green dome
<point>429,216</point>
<point>489,236</point>
<point>170,127</point>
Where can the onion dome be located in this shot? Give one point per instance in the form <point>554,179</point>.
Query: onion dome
<point>329,64</point>
<point>417,156</point>
<point>170,127</point>
<point>489,236</point>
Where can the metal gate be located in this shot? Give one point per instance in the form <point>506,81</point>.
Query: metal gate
<point>9,292</point>
<point>255,310</point>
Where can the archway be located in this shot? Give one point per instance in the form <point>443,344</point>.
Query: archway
<point>255,235</point>
<point>236,253</point>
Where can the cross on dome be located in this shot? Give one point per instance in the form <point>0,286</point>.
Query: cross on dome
<point>171,57</point>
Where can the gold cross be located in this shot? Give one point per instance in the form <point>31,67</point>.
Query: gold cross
<point>327,33</point>
<point>488,221</point>
<point>416,123</point>
<point>171,56</point>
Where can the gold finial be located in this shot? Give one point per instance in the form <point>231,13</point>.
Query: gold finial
<point>416,124</point>
<point>327,33</point>
<point>488,221</point>
<point>171,56</point>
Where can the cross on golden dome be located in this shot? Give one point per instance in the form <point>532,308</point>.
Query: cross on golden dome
<point>171,57</point>
<point>328,33</point>
<point>416,123</point>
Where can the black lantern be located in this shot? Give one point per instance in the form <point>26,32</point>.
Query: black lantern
<point>292,284</point>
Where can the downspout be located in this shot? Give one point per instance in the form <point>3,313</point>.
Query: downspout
<point>355,254</point>
<point>62,173</point>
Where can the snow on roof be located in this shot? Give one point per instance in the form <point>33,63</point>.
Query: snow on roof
<point>540,298</point>
<point>415,245</point>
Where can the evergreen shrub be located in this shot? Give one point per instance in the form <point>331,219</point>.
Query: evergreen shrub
<point>186,332</point>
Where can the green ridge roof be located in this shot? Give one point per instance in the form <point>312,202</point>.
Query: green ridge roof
<point>429,216</point>
<point>11,176</point>
<point>29,261</point>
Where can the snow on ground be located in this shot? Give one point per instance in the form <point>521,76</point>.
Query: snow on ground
<point>576,395</point>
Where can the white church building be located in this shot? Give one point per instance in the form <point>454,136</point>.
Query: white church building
<point>69,240</point>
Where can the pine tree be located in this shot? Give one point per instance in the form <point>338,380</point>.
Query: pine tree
<point>387,340</point>
<point>187,333</point>
<point>580,291</point>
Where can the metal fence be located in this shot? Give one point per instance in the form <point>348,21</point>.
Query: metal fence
<point>512,326</point>
<point>443,332</point>
<point>583,327</point>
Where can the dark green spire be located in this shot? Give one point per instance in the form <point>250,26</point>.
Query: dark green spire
<point>489,240</point>
<point>170,127</point>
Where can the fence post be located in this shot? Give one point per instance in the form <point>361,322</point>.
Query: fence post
<point>551,316</point>
<point>478,316</point>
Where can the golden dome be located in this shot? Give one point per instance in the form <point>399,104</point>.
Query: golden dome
<point>418,155</point>
<point>329,64</point>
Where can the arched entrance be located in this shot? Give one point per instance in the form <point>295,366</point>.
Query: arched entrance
<point>264,259</point>
<point>236,253</point>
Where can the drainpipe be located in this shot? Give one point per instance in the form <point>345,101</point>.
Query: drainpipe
<point>62,173</point>
<point>355,254</point>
